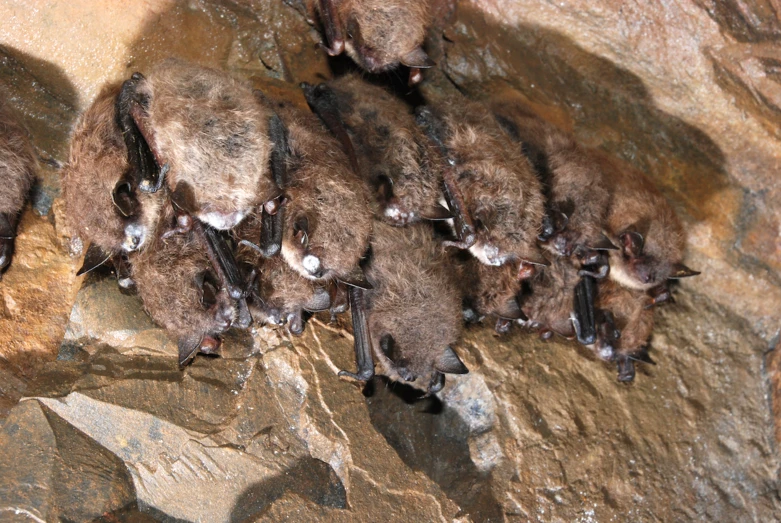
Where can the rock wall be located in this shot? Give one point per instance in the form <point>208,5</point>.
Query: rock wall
<point>112,430</point>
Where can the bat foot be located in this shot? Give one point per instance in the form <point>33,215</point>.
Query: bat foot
<point>626,369</point>
<point>364,375</point>
<point>546,334</point>
<point>503,326</point>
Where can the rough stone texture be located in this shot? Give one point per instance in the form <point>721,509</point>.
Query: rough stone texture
<point>112,430</point>
<point>667,87</point>
<point>536,430</point>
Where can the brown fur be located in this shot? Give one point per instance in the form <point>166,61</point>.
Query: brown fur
<point>414,299</point>
<point>279,292</point>
<point>98,158</point>
<point>632,317</point>
<point>492,291</point>
<point>213,134</point>
<point>323,188</point>
<point>165,278</point>
<point>379,33</point>
<point>636,202</point>
<point>500,190</point>
<point>573,179</point>
<point>550,302</point>
<point>18,165</point>
<point>390,144</point>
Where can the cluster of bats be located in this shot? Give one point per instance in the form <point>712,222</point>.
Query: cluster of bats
<point>222,206</point>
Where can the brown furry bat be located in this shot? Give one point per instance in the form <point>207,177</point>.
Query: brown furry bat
<point>100,201</point>
<point>377,34</point>
<point>489,291</point>
<point>644,225</point>
<point>180,292</point>
<point>489,186</point>
<point>413,311</point>
<point>548,304</point>
<point>327,218</point>
<point>392,153</point>
<point>572,182</point>
<point>625,321</point>
<point>278,294</point>
<point>17,174</point>
<point>201,128</point>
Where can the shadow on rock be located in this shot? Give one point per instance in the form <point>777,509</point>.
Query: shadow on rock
<point>430,437</point>
<point>310,478</point>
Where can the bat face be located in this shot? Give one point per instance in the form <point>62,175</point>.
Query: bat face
<point>17,174</point>
<point>208,130</point>
<point>382,34</point>
<point>327,217</point>
<point>644,226</point>
<point>100,199</point>
<point>490,291</point>
<point>414,309</point>
<point>394,156</point>
<point>180,292</point>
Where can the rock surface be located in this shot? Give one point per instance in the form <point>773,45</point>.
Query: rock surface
<point>110,429</point>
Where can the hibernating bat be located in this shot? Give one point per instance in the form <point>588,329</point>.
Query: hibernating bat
<point>18,168</point>
<point>101,201</point>
<point>624,324</point>
<point>390,151</point>
<point>181,292</point>
<point>489,186</point>
<point>489,291</point>
<point>548,300</point>
<point>327,219</point>
<point>199,127</point>
<point>377,34</point>
<point>576,193</point>
<point>278,295</point>
<point>413,311</point>
<point>642,223</point>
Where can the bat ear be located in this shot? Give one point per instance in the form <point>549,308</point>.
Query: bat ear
<point>188,348</point>
<point>384,188</point>
<point>417,58</point>
<point>94,258</point>
<point>124,198</point>
<point>436,213</point>
<point>206,285</point>
<point>632,243</point>
<point>321,300</point>
<point>301,231</point>
<point>682,271</point>
<point>357,279</point>
<point>183,198</point>
<point>603,244</point>
<point>449,362</point>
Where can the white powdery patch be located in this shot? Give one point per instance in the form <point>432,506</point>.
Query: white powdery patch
<point>222,221</point>
<point>487,254</point>
<point>135,237</point>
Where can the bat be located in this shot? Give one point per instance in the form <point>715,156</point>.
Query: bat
<point>327,219</point>
<point>377,34</point>
<point>412,313</point>
<point>18,168</point>
<point>278,295</point>
<point>102,203</point>
<point>549,300</point>
<point>489,291</point>
<point>201,127</point>
<point>642,223</point>
<point>576,194</point>
<point>624,326</point>
<point>490,188</point>
<point>386,147</point>
<point>182,293</point>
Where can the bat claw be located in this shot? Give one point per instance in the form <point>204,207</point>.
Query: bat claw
<point>626,369</point>
<point>364,375</point>
<point>436,384</point>
<point>503,325</point>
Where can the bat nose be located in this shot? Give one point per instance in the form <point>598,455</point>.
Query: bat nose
<point>6,248</point>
